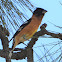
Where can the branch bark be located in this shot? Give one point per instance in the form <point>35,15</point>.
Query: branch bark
<point>30,55</point>
<point>4,44</point>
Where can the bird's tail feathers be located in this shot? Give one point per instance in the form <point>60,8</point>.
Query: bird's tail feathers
<point>10,54</point>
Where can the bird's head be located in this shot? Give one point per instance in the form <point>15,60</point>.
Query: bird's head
<point>39,12</point>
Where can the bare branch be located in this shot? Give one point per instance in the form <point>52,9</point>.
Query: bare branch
<point>5,43</point>
<point>23,52</point>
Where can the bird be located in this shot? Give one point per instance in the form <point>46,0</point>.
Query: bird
<point>29,28</point>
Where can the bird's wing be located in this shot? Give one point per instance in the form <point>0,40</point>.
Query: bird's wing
<point>22,26</point>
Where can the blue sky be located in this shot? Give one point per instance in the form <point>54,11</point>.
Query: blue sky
<point>53,16</point>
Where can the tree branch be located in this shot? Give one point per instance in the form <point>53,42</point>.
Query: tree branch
<point>4,43</point>
<point>23,52</point>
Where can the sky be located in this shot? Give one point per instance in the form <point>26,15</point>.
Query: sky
<point>51,18</point>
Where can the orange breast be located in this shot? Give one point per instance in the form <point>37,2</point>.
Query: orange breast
<point>28,31</point>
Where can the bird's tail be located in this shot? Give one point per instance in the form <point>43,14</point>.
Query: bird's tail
<point>10,54</point>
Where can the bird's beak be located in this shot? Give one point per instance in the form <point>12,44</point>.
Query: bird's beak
<point>44,11</point>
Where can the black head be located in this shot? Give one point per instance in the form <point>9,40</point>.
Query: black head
<point>39,12</point>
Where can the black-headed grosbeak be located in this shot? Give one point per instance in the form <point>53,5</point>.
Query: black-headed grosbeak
<point>28,29</point>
